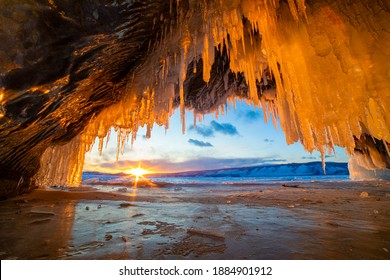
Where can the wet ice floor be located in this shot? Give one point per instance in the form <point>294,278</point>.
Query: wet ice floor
<point>314,221</point>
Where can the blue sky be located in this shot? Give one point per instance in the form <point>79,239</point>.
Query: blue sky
<point>238,138</point>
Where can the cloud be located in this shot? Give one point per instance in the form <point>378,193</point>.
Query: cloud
<point>309,158</point>
<point>205,131</point>
<point>250,115</point>
<point>313,157</point>
<point>202,163</point>
<point>199,143</point>
<point>224,128</point>
<point>269,140</point>
<point>209,131</point>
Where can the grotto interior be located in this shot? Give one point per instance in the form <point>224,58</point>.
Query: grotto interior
<point>69,71</point>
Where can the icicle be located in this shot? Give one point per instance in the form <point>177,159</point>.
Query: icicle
<point>206,59</point>
<point>63,165</point>
<point>296,47</point>
<point>118,146</point>
<point>108,137</point>
<point>100,145</point>
<point>323,162</point>
<point>194,124</point>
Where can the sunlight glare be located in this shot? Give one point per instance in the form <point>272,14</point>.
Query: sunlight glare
<point>138,173</point>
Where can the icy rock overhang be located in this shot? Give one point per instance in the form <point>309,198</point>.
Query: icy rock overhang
<point>70,70</point>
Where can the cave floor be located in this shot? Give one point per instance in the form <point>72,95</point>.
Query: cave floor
<point>317,220</point>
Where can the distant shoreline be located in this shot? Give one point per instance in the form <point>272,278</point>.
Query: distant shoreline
<point>314,168</point>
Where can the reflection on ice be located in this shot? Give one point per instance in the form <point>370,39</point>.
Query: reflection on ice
<point>321,220</point>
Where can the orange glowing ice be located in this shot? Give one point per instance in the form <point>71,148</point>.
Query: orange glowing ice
<point>329,60</point>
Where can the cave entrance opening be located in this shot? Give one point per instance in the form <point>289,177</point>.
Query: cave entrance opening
<point>238,138</point>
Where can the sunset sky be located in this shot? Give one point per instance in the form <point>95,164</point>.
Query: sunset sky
<point>238,138</point>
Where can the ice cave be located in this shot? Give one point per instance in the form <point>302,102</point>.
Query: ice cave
<point>71,70</point>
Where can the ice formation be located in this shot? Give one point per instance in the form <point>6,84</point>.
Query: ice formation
<point>320,67</point>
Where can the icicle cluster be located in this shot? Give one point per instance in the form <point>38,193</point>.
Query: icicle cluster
<point>330,60</point>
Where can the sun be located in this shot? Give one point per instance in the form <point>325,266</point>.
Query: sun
<point>138,172</point>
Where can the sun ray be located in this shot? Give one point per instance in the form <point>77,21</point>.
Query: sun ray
<point>139,173</point>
